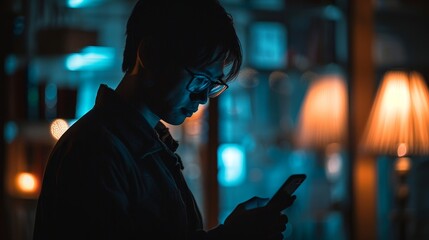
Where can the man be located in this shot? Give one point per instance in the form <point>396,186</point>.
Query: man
<point>115,174</point>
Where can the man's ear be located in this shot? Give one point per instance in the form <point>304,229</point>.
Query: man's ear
<point>138,65</point>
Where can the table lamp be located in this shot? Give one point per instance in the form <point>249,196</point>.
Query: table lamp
<point>322,123</point>
<point>322,129</point>
<point>398,125</point>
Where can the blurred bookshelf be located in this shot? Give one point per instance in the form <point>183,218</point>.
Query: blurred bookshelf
<point>286,44</point>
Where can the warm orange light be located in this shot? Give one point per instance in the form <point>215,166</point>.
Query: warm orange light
<point>398,122</point>
<point>323,115</point>
<point>26,182</point>
<point>402,150</point>
<point>194,124</point>
<point>199,113</point>
<point>58,128</point>
<point>403,165</point>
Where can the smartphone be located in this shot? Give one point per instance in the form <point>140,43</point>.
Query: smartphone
<point>288,187</point>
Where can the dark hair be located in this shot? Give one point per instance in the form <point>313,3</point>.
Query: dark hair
<point>172,34</point>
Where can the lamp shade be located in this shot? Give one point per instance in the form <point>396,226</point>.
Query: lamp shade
<point>323,116</point>
<point>399,118</point>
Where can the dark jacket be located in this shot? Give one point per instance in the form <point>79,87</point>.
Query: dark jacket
<point>112,176</point>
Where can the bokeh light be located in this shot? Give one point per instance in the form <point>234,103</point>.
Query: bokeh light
<point>26,182</point>
<point>58,128</point>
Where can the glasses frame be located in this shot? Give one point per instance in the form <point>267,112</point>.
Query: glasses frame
<point>213,82</point>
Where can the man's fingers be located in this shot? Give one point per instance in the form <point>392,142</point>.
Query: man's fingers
<point>283,203</point>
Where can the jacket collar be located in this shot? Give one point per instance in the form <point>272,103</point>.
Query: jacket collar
<point>130,126</point>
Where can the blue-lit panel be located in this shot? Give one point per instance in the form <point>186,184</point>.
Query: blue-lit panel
<point>333,13</point>
<point>86,98</point>
<point>82,3</point>
<point>11,64</point>
<point>10,131</point>
<point>91,58</point>
<point>268,45</point>
<point>268,4</point>
<point>231,164</point>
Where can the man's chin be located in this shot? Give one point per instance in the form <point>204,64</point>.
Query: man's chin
<point>175,121</point>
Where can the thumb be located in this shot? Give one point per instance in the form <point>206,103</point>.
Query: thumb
<point>255,202</point>
<point>285,201</point>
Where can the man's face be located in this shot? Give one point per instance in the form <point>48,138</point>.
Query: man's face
<point>173,103</point>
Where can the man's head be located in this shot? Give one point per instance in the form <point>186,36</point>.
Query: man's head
<point>174,44</point>
<point>174,34</point>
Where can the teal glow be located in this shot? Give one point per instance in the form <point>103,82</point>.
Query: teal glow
<point>10,131</point>
<point>333,13</point>
<point>51,95</point>
<point>11,64</point>
<point>231,164</point>
<point>268,45</point>
<point>19,25</point>
<point>85,98</point>
<point>91,58</point>
<point>82,3</point>
<point>75,3</point>
<point>268,4</point>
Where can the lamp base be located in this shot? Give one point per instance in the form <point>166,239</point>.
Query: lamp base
<point>402,167</point>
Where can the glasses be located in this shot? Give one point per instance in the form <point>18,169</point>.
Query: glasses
<point>200,83</point>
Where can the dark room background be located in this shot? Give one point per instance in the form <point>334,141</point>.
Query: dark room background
<point>299,105</point>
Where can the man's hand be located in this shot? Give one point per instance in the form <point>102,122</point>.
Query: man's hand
<point>252,219</point>
<point>283,201</point>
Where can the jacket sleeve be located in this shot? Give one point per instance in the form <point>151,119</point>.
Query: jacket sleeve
<point>216,233</point>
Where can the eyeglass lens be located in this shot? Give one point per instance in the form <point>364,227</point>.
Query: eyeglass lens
<point>201,83</point>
